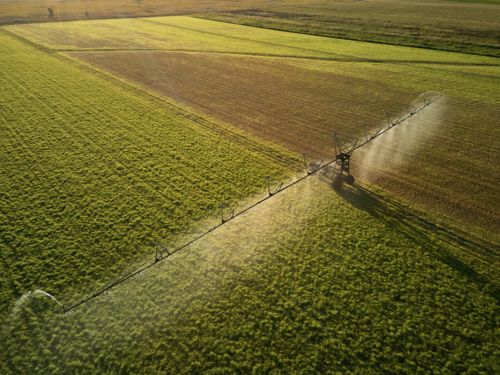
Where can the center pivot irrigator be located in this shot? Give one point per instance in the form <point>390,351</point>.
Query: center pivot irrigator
<point>338,170</point>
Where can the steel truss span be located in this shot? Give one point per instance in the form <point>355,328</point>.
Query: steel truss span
<point>337,167</point>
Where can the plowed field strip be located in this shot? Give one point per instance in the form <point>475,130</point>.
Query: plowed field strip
<point>201,76</point>
<point>301,108</point>
<point>263,85</point>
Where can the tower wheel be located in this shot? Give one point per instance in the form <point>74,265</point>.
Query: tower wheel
<point>337,184</point>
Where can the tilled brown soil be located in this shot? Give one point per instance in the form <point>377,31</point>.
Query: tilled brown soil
<point>445,158</point>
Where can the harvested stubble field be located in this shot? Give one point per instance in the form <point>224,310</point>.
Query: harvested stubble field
<point>297,90</point>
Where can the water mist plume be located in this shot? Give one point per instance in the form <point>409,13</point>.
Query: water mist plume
<point>38,291</point>
<point>398,147</point>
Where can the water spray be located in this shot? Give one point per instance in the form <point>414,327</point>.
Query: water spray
<point>226,213</point>
<point>346,145</point>
<point>370,131</point>
<point>274,186</point>
<point>313,165</point>
<point>38,291</point>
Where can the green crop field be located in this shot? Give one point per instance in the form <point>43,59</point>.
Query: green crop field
<point>93,172</point>
<point>117,135</point>
<point>442,25</point>
<point>291,287</point>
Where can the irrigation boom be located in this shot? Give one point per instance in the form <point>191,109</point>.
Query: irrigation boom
<point>337,167</point>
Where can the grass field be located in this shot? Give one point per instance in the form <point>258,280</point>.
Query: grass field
<point>348,286</point>
<point>119,134</point>
<point>298,90</point>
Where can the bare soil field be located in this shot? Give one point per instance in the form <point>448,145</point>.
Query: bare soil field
<point>267,97</point>
<point>301,109</point>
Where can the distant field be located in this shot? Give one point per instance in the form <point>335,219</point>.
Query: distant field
<point>37,11</point>
<point>496,2</point>
<point>461,26</point>
<point>298,90</point>
<point>444,25</point>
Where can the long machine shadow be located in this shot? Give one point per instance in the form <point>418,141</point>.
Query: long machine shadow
<point>416,232</point>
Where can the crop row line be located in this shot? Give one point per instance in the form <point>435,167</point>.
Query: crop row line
<point>311,104</point>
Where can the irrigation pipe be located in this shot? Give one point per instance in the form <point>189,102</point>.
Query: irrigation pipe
<point>157,260</point>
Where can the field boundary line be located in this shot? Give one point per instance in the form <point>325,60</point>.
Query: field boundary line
<point>270,55</point>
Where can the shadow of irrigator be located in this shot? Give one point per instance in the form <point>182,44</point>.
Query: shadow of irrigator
<point>420,232</point>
